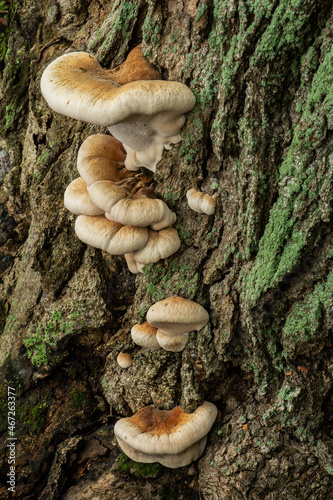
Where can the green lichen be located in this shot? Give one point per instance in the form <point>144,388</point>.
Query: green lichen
<point>162,281</point>
<point>283,241</point>
<point>119,25</point>
<point>303,323</point>
<point>39,344</point>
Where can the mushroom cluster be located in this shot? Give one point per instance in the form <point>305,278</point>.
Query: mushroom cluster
<point>142,111</point>
<point>144,114</point>
<point>114,209</point>
<point>168,324</point>
<point>171,437</point>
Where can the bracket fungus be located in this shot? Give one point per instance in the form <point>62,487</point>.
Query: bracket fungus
<point>200,202</point>
<point>142,111</point>
<point>78,201</point>
<point>176,315</point>
<point>173,438</point>
<point>110,236</point>
<point>101,157</point>
<point>125,208</point>
<point>160,245</point>
<point>173,343</point>
<point>145,336</point>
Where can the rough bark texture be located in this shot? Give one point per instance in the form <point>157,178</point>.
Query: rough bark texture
<point>260,136</point>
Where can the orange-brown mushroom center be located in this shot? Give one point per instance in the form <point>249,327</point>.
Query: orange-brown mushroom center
<point>157,422</point>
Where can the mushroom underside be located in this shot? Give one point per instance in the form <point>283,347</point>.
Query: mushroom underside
<point>181,459</point>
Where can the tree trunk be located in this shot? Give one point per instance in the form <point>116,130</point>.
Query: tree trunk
<point>260,137</point>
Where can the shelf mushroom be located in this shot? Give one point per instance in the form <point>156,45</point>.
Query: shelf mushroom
<point>112,237</point>
<point>78,201</point>
<point>101,157</point>
<point>175,317</point>
<point>143,112</point>
<point>125,208</point>
<point>200,202</point>
<point>145,336</point>
<point>173,438</point>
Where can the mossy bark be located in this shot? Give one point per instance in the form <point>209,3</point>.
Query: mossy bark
<point>260,137</point>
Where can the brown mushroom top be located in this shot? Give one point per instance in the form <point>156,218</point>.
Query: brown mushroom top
<point>136,67</point>
<point>153,431</point>
<point>101,157</point>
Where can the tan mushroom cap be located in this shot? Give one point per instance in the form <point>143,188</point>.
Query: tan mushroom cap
<point>159,435</point>
<point>173,343</point>
<point>77,199</point>
<point>143,212</point>
<point>124,360</point>
<point>122,207</point>
<point>176,315</point>
<point>112,237</point>
<point>136,67</point>
<point>101,157</point>
<point>145,115</point>
<point>201,202</point>
<point>160,245</point>
<point>105,194</point>
<point>145,336</point>
<point>133,266</point>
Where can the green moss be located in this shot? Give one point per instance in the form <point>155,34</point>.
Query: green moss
<point>33,414</point>
<point>39,344</point>
<point>112,28</point>
<point>125,464</point>
<point>174,279</point>
<point>78,398</point>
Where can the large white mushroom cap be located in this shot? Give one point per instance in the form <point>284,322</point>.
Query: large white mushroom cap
<point>145,115</point>
<point>172,437</point>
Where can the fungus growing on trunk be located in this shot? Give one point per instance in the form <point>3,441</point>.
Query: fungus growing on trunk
<point>121,206</point>
<point>145,336</point>
<point>124,360</point>
<point>174,318</point>
<point>171,437</point>
<point>101,157</point>
<point>112,237</point>
<point>78,201</point>
<point>143,112</point>
<point>200,202</point>
<point>176,315</point>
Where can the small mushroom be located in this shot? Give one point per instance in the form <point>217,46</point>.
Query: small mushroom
<point>112,237</point>
<point>174,318</point>
<point>145,336</point>
<point>124,360</point>
<point>160,245</point>
<point>171,437</point>
<point>146,115</point>
<point>122,207</point>
<point>201,202</point>
<point>133,266</point>
<point>78,201</point>
<point>101,157</point>
<point>176,315</point>
<point>173,343</point>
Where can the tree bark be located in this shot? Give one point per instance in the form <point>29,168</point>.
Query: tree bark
<point>260,137</point>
